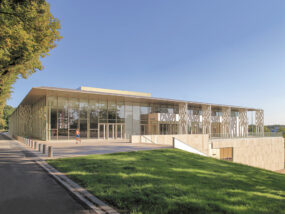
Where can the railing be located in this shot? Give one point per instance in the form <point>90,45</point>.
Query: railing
<point>149,140</point>
<point>249,135</point>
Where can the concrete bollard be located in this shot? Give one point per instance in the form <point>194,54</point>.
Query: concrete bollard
<point>44,148</point>
<point>50,151</point>
<point>40,147</point>
<point>32,144</point>
<point>35,145</point>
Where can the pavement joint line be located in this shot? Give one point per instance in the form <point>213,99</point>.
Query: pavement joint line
<point>80,193</point>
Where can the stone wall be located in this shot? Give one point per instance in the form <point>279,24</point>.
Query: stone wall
<point>266,152</point>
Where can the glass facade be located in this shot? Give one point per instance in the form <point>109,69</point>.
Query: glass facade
<point>105,118</point>
<point>56,114</point>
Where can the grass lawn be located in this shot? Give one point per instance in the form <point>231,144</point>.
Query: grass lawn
<point>174,181</point>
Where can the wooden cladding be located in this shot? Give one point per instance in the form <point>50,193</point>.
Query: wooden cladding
<point>226,153</point>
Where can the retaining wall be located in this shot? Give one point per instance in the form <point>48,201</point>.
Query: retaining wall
<point>266,152</point>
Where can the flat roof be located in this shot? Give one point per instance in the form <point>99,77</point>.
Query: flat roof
<point>38,92</point>
<point>112,91</point>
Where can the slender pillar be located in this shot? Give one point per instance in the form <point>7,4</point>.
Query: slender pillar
<point>226,121</point>
<point>243,123</point>
<point>206,119</point>
<point>259,122</point>
<point>183,118</point>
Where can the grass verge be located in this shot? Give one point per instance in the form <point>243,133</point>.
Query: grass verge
<point>174,181</point>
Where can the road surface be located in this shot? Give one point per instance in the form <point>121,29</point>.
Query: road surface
<point>27,189</point>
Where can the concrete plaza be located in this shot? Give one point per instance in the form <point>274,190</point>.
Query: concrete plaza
<point>71,149</point>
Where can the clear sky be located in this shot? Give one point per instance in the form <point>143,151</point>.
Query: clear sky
<point>217,51</point>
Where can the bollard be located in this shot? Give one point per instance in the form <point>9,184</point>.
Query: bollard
<point>40,147</point>
<point>32,144</point>
<point>29,142</point>
<point>35,145</point>
<point>44,148</point>
<point>50,151</point>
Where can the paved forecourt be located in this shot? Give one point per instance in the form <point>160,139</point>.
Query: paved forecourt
<point>26,188</point>
<point>71,149</point>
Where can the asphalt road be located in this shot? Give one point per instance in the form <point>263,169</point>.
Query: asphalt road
<point>27,189</point>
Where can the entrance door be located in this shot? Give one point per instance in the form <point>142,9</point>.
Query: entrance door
<point>111,130</point>
<point>102,131</point>
<point>120,131</point>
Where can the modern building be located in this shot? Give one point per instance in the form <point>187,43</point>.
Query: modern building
<point>221,131</point>
<point>48,113</point>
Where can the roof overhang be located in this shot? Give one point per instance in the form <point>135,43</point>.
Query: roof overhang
<point>39,92</point>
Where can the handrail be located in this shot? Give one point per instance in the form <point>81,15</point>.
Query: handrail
<point>148,139</point>
<point>248,135</point>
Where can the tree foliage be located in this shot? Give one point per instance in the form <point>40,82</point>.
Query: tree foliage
<point>7,112</point>
<point>28,31</point>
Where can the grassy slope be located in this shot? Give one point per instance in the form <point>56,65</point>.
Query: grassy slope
<point>173,181</point>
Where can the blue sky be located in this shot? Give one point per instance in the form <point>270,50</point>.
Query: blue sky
<point>217,51</point>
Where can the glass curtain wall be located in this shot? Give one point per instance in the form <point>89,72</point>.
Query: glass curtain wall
<point>106,118</point>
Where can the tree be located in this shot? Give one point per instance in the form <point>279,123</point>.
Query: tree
<point>7,112</point>
<point>28,31</point>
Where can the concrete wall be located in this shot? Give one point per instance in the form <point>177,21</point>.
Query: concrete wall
<point>266,152</point>
<point>197,141</point>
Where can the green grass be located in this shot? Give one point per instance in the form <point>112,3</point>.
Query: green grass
<point>173,181</point>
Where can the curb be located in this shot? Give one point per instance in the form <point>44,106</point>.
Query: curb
<point>80,194</point>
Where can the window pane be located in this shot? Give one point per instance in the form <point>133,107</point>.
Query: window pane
<point>103,111</point>
<point>72,134</point>
<point>129,119</point>
<point>62,115</point>
<point>73,118</point>
<point>120,112</point>
<point>53,119</point>
<point>62,134</point>
<point>73,102</point>
<point>52,101</point>
<point>53,134</point>
<point>112,112</point>
<point>83,113</point>
<point>62,102</point>
<point>94,119</point>
<point>83,128</point>
<point>93,104</point>
<point>136,119</point>
<point>94,133</point>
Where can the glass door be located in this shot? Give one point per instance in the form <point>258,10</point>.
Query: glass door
<point>102,130</point>
<point>111,130</point>
<point>120,131</point>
